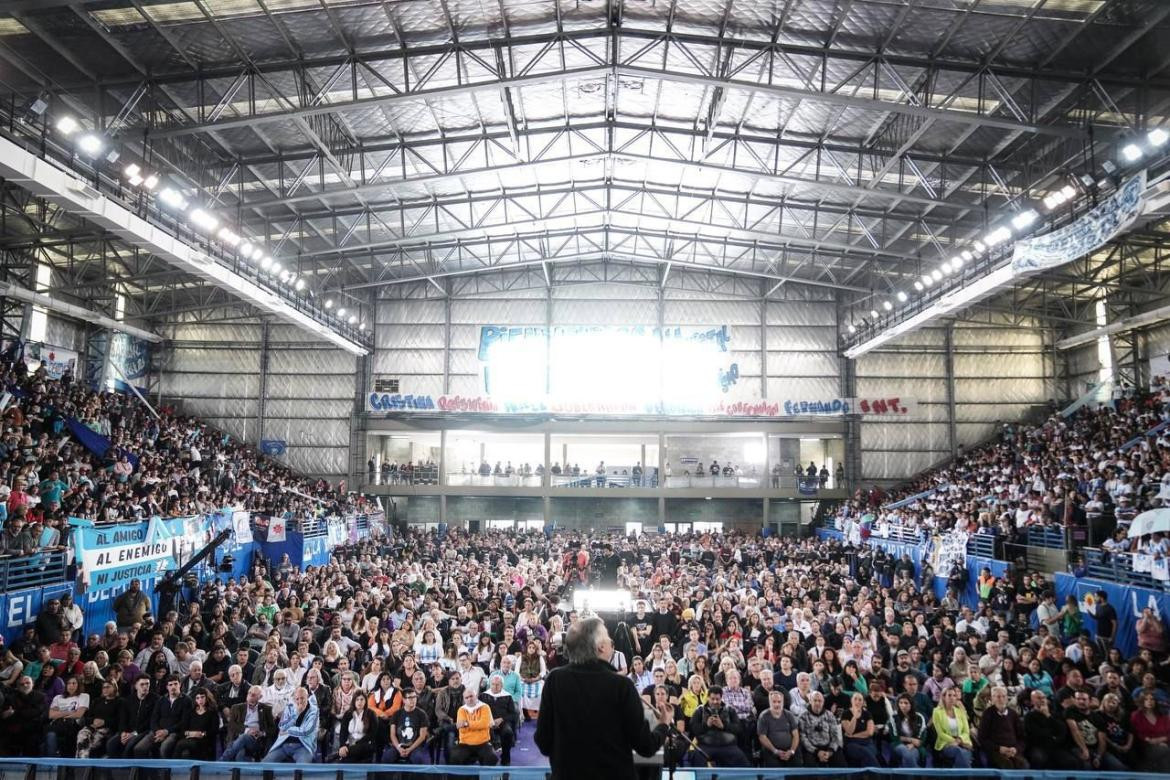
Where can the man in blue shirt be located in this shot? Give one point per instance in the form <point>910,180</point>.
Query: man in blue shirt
<point>297,737</point>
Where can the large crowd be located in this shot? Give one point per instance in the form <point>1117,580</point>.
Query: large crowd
<point>166,465</point>
<point>428,648</point>
<point>1093,470</point>
<point>434,649</point>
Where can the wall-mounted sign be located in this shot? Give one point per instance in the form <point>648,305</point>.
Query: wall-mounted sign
<point>482,404</point>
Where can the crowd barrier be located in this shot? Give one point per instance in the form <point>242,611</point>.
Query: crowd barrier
<point>29,571</point>
<point>32,768</point>
<point>26,582</point>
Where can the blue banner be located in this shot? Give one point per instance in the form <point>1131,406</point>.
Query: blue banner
<point>1127,600</point>
<point>21,607</point>
<point>131,357</point>
<point>316,552</point>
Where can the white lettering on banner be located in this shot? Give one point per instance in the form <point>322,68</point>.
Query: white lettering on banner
<point>1151,603</point>
<point>20,608</point>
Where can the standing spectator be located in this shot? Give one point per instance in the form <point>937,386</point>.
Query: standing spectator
<point>1151,634</point>
<point>131,606</point>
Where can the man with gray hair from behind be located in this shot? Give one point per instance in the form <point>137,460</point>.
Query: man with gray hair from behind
<point>591,720</point>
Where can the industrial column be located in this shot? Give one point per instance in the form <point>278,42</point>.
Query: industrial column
<point>949,359</point>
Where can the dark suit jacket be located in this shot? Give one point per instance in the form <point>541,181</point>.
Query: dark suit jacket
<point>591,722</point>
<point>235,724</point>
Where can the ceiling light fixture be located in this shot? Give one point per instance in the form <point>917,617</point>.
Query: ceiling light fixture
<point>132,170</point>
<point>202,220</point>
<point>936,275</point>
<point>352,319</point>
<point>90,144</point>
<point>998,236</point>
<point>902,296</point>
<point>887,306</point>
<point>172,198</point>
<point>1024,219</point>
<point>918,285</point>
<point>265,262</point>
<point>1131,152</point>
<point>341,312</point>
<point>927,280</point>
<point>300,285</point>
<point>328,303</point>
<point>246,249</point>
<point>150,182</point>
<point>67,125</point>
<point>1158,137</point>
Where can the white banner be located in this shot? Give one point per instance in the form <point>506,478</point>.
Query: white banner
<point>1090,232</point>
<point>242,525</point>
<point>276,530</point>
<point>156,553</point>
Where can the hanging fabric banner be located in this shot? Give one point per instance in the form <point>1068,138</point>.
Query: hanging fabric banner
<point>1089,233</point>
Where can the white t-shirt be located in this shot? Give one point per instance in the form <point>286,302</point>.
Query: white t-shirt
<point>70,704</point>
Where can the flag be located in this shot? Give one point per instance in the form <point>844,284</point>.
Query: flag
<point>276,530</point>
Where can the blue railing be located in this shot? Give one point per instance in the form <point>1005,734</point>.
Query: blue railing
<point>31,767</point>
<point>29,571</point>
<point>1118,567</point>
<point>1046,536</point>
<point>982,545</point>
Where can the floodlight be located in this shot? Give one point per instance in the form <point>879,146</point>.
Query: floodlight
<point>172,198</point>
<point>852,328</point>
<point>246,249</point>
<point>918,285</point>
<point>1024,219</point>
<point>91,144</point>
<point>150,182</point>
<point>258,253</point>
<point>135,181</point>
<point>965,255</point>
<point>957,262</point>
<point>873,313</point>
<point>67,125</point>
<point>927,280</point>
<point>1068,191</point>
<point>363,326</point>
<point>902,296</point>
<point>352,319</point>
<point>328,303</point>
<point>998,236</point>
<point>132,170</point>
<point>276,268</point>
<point>341,312</point>
<point>228,236</point>
<point>936,275</point>
<point>202,220</point>
<point>1158,137</point>
<point>265,263</point>
<point>945,267</point>
<point>300,285</point>
<point>1131,152</point>
<point>980,247</point>
<point>887,305</point>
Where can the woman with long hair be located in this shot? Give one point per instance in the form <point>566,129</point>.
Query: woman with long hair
<point>1151,727</point>
<point>907,732</point>
<point>66,712</point>
<point>533,670</point>
<point>952,731</point>
<point>199,728</point>
<point>384,701</point>
<point>356,734</point>
<point>694,696</point>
